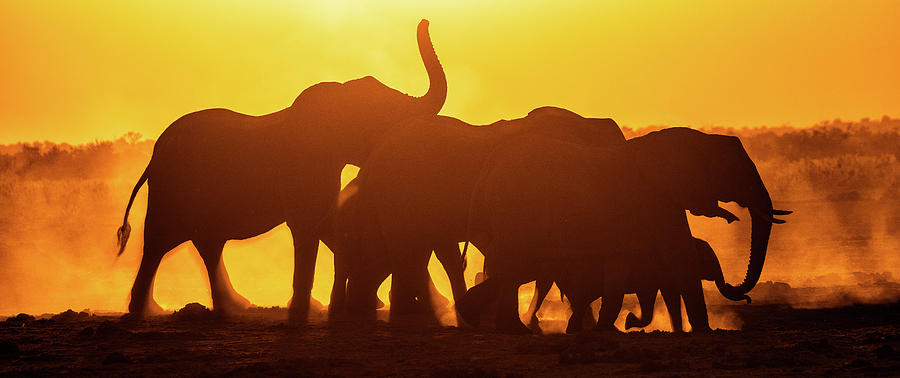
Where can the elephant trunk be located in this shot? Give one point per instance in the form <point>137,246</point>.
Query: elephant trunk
<point>762,216</point>
<point>727,291</point>
<point>433,100</point>
<point>647,301</point>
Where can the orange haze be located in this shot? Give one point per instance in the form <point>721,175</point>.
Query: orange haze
<point>78,71</point>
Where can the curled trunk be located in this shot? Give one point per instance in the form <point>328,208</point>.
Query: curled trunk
<point>762,216</point>
<point>433,100</point>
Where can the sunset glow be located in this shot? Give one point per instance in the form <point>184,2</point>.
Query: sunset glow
<point>658,187</point>
<point>76,72</point>
<point>80,71</point>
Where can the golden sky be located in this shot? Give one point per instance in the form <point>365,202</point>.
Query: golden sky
<point>78,71</point>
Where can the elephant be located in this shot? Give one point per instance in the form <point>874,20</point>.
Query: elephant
<point>346,223</point>
<point>217,175</point>
<point>610,219</point>
<point>417,185</point>
<point>710,270</point>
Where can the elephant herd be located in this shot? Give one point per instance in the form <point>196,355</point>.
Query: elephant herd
<point>550,197</point>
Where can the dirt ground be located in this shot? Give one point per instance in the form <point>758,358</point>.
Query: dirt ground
<point>775,340</point>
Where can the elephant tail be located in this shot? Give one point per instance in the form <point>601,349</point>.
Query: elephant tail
<point>125,231</point>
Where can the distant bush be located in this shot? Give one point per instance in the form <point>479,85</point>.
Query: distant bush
<point>830,160</point>
<point>51,161</point>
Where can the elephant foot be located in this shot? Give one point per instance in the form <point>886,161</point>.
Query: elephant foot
<point>130,318</point>
<point>336,308</point>
<point>534,323</point>
<point>148,309</point>
<point>298,310</point>
<point>605,329</point>
<point>298,315</point>
<point>154,309</point>
<point>701,329</point>
<point>469,313</point>
<point>405,306</point>
<point>471,305</point>
<point>232,305</point>
<point>632,321</point>
<point>512,327</point>
<point>573,327</point>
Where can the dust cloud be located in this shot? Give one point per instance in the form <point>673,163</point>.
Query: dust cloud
<point>61,204</point>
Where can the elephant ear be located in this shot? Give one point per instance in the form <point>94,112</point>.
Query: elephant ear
<point>676,164</point>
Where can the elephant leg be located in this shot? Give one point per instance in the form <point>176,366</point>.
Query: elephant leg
<point>225,299</point>
<point>401,296</point>
<point>451,259</point>
<point>472,305</point>
<point>305,252</point>
<point>673,306</point>
<point>695,304</point>
<point>541,289</point>
<point>156,245</point>
<point>362,295</point>
<point>580,307</point>
<point>609,311</point>
<point>647,301</point>
<point>142,302</point>
<point>339,288</point>
<point>507,320</point>
<point>409,286</point>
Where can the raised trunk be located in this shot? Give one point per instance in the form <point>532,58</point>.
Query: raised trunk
<point>434,99</point>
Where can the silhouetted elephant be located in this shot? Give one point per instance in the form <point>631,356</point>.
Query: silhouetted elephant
<point>418,185</point>
<point>707,266</point>
<point>217,175</point>
<point>710,270</point>
<point>553,210</point>
<point>347,226</point>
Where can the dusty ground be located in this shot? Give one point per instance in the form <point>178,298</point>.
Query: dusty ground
<point>776,339</point>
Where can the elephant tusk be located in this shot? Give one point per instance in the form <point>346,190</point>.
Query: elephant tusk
<point>767,217</point>
<point>781,212</point>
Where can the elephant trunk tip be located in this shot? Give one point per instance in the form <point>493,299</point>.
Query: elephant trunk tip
<point>433,100</point>
<point>731,292</point>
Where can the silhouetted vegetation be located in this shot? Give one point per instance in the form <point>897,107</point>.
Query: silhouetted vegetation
<point>52,161</point>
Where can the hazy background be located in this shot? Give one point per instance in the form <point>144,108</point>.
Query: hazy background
<point>61,205</point>
<point>88,72</point>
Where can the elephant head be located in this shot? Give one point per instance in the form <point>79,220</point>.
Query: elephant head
<point>695,171</point>
<point>347,117</point>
